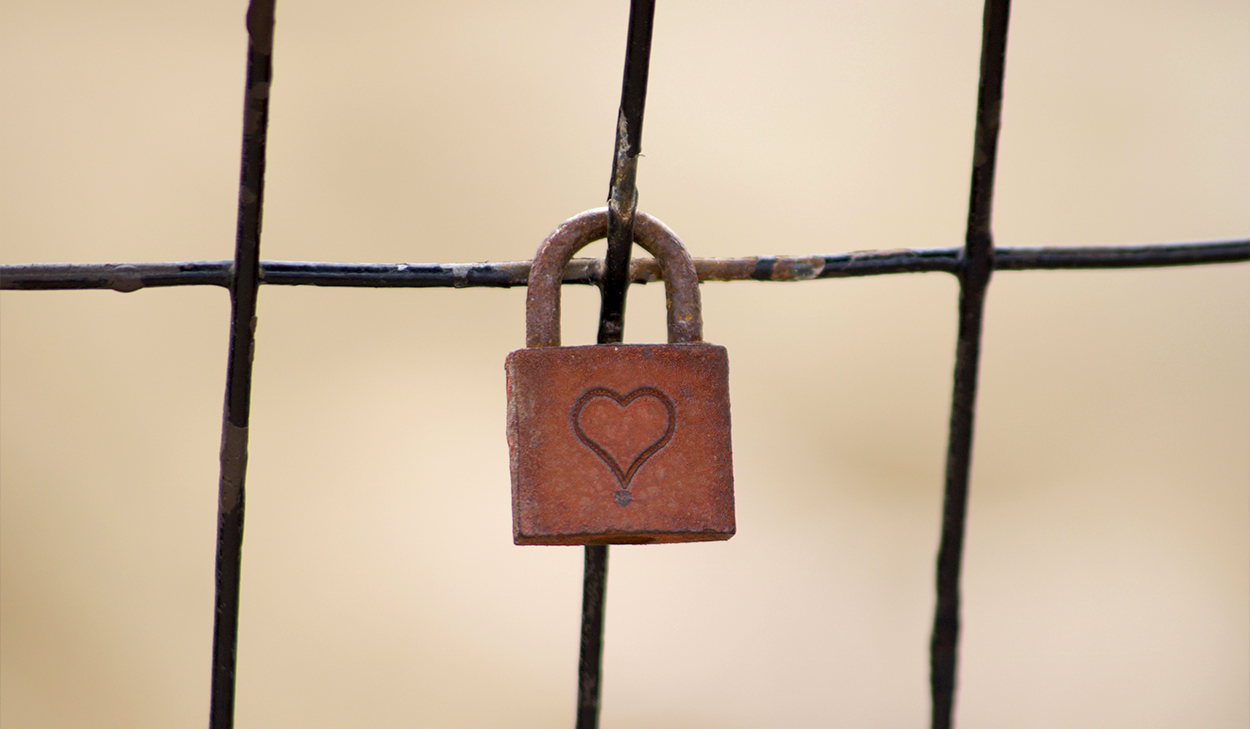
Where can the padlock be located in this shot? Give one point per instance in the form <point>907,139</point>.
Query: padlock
<point>618,443</point>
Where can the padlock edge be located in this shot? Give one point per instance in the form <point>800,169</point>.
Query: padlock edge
<point>622,538</point>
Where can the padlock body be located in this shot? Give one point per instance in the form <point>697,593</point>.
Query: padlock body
<point>620,444</point>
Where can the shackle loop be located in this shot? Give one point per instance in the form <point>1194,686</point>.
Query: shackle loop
<point>681,282</point>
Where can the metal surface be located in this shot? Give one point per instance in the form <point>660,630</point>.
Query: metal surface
<point>681,289</point>
<point>590,647</point>
<point>623,202</point>
<point>614,443</point>
<point>127,277</point>
<point>236,414</point>
<point>974,278</point>
<point>623,191</point>
<point>620,444</point>
<point>973,265</point>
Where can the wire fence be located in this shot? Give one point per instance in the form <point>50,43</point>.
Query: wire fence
<point>972,265</point>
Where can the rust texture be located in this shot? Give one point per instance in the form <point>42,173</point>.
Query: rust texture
<point>618,443</point>
<point>542,302</point>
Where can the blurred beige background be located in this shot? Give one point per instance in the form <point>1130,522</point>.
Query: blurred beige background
<point>1107,574</point>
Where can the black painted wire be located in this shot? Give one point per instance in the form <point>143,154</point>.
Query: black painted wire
<point>245,283</point>
<point>623,190</point>
<point>127,277</point>
<point>974,278</point>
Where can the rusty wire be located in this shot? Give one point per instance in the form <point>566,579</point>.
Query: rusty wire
<point>126,277</point>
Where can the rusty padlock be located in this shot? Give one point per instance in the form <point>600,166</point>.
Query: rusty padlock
<point>618,443</point>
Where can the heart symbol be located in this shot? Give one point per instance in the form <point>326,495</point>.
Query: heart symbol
<point>624,429</point>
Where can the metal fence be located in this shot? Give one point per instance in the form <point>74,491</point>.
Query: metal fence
<point>972,265</point>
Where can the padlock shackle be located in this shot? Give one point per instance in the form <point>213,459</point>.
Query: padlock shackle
<point>681,282</point>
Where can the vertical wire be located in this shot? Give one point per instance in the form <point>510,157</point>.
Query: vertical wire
<point>623,192</point>
<point>622,204</point>
<point>977,264</point>
<point>236,412</point>
<point>590,661</point>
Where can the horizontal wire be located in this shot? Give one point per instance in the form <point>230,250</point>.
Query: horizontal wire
<point>135,276</point>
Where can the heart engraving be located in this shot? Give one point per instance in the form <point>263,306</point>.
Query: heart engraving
<point>625,429</point>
